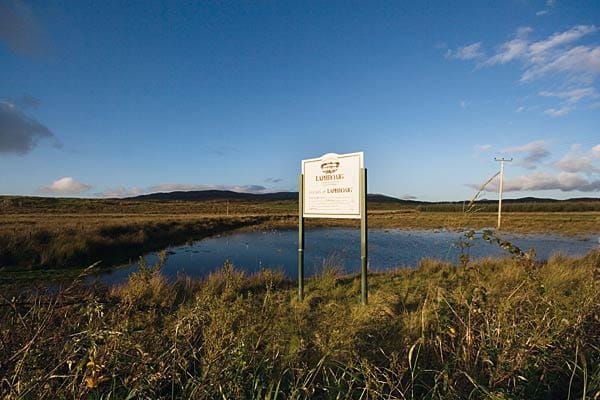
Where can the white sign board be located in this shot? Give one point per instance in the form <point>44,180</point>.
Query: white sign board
<point>332,186</point>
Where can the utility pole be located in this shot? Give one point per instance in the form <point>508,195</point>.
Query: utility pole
<point>502,160</point>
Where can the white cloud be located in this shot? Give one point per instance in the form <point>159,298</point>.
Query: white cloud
<point>558,39</point>
<point>576,161</point>
<point>558,112</point>
<point>575,171</point>
<point>463,104</point>
<point>582,63</point>
<point>469,52</point>
<point>520,109</point>
<point>508,51</point>
<point>554,54</point>
<point>542,12</point>
<point>534,153</point>
<point>564,181</point>
<point>66,185</point>
<point>558,56</point>
<point>574,95</point>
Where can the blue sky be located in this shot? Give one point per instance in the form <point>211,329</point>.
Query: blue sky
<point>121,98</point>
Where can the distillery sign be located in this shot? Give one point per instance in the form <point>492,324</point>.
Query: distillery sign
<point>332,186</point>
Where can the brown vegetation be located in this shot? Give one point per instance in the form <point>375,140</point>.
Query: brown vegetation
<point>494,329</point>
<point>67,233</point>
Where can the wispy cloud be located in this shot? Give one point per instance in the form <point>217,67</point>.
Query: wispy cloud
<point>534,153</point>
<point>581,63</point>
<point>470,52</point>
<point>551,55</point>
<point>564,181</point>
<point>512,49</point>
<point>541,50</point>
<point>577,170</point>
<point>574,95</point>
<point>19,29</point>
<point>558,112</point>
<point>66,185</point>
<point>541,181</point>
<point>573,66</point>
<point>570,98</point>
<point>19,132</point>
<point>576,160</point>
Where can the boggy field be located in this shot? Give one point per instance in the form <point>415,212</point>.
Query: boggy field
<point>62,234</point>
<point>491,329</point>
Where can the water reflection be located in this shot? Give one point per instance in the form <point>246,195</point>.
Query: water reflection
<point>388,248</point>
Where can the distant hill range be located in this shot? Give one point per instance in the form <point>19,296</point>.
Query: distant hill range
<point>204,195</point>
<point>207,195</point>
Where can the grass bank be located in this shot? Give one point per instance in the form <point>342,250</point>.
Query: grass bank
<point>494,329</point>
<point>73,241</point>
<point>49,233</point>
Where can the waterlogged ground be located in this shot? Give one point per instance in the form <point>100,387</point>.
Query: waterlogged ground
<point>388,248</point>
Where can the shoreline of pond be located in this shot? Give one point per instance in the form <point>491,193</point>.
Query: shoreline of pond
<point>254,249</point>
<point>223,225</point>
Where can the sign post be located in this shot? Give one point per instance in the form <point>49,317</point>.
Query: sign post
<point>334,186</point>
<point>301,238</point>
<point>364,287</point>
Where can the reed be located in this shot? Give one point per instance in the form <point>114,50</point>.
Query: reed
<point>492,328</point>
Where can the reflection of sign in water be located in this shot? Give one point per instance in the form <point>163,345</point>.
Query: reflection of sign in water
<point>332,186</point>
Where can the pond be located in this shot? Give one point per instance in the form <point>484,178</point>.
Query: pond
<point>388,248</point>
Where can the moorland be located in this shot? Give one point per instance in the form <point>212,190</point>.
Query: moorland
<point>503,328</point>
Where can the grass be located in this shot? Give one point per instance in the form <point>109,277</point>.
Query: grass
<point>67,241</point>
<point>494,328</point>
<point>47,233</point>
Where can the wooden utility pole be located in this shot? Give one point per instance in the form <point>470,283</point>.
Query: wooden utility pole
<point>502,160</point>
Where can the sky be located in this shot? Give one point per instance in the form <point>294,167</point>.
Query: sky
<point>115,99</point>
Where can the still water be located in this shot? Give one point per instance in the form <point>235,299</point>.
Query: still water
<point>388,248</point>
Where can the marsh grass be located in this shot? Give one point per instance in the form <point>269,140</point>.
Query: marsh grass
<point>492,328</point>
<point>48,233</point>
<point>59,242</point>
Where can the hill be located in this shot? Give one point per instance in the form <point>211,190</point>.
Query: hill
<point>207,195</point>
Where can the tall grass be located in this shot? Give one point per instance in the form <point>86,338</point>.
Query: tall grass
<point>45,242</point>
<point>493,328</point>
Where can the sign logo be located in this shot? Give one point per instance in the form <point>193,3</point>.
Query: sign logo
<point>330,167</point>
